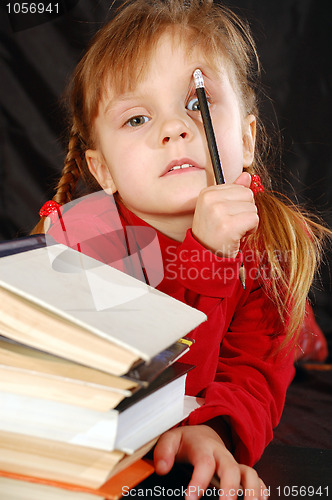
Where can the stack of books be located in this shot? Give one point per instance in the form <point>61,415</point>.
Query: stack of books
<point>89,373</point>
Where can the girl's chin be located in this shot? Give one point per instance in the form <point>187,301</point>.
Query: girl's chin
<point>171,204</point>
<point>185,208</point>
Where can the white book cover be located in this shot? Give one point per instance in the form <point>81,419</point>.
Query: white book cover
<point>99,298</point>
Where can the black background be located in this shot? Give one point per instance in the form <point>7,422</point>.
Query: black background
<point>40,51</point>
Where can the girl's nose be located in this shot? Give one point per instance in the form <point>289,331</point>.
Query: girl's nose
<point>174,130</point>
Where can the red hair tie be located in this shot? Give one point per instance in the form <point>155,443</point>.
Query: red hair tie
<point>256,185</point>
<point>50,209</point>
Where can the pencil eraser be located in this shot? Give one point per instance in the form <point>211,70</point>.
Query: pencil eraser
<point>198,78</point>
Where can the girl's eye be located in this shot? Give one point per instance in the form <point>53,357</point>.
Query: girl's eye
<point>193,104</point>
<point>136,121</point>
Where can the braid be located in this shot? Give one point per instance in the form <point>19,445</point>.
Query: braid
<point>71,172</point>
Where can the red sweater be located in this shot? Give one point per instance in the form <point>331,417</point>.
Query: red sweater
<point>237,369</point>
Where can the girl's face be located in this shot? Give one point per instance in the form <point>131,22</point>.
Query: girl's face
<point>144,136</point>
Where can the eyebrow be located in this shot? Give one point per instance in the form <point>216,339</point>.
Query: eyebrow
<point>208,73</point>
<point>115,101</point>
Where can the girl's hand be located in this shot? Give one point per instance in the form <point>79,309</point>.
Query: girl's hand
<point>224,215</point>
<point>201,446</point>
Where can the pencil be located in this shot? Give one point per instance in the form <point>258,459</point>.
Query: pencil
<point>210,137</point>
<point>211,140</point>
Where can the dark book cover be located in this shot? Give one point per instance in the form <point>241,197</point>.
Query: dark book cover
<point>171,373</point>
<point>24,244</point>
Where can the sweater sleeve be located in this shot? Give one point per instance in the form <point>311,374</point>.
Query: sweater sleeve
<point>203,272</point>
<point>252,373</point>
<point>251,379</point>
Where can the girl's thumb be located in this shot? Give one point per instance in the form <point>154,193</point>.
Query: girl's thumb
<point>243,180</point>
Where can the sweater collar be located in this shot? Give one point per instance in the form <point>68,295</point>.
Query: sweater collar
<point>131,219</point>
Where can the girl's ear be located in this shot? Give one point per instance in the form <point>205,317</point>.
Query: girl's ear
<point>248,140</point>
<point>100,170</point>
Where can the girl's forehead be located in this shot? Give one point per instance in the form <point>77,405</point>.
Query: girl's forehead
<point>167,46</point>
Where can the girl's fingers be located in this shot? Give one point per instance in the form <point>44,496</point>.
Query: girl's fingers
<point>230,479</point>
<point>237,480</point>
<point>234,208</point>
<point>224,214</point>
<point>201,477</point>
<point>264,491</point>
<point>243,180</point>
<point>165,451</point>
<point>200,446</point>
<point>253,487</point>
<point>226,192</point>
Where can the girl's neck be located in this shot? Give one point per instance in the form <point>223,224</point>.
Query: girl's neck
<point>174,227</point>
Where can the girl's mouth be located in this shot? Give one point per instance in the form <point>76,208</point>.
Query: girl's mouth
<point>179,166</point>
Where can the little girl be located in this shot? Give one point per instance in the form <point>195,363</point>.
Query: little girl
<point>137,133</point>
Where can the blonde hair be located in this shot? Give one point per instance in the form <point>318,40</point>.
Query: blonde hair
<point>117,57</point>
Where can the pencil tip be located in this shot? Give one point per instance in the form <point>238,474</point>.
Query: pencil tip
<point>242,276</point>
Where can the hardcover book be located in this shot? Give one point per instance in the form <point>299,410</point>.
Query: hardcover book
<point>135,421</point>
<point>63,302</point>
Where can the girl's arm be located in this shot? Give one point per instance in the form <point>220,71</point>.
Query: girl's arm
<point>242,404</point>
<point>246,392</point>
